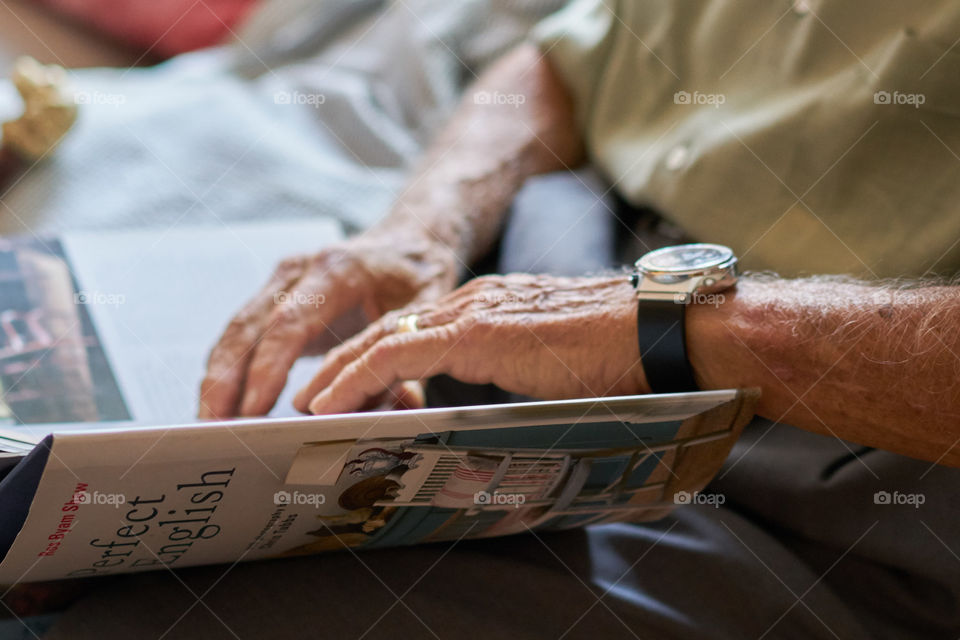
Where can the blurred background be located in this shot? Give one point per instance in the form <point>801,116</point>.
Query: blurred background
<point>28,27</point>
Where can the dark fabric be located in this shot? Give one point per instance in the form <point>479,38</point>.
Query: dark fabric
<point>799,548</point>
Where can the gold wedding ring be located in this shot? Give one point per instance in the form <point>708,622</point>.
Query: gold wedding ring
<point>407,323</point>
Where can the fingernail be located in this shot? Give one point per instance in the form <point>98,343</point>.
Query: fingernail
<point>318,403</point>
<point>301,400</point>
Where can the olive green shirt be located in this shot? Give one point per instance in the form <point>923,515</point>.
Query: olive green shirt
<point>812,136</point>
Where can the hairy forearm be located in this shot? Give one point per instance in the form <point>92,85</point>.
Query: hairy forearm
<point>877,365</point>
<point>514,122</point>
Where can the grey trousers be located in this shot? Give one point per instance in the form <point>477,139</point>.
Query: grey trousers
<point>803,546</point>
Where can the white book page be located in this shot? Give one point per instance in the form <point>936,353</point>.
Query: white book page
<point>160,300</point>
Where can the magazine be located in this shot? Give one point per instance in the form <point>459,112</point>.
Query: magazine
<point>103,472</point>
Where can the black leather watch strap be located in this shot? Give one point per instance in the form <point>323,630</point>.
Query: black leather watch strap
<point>663,347</point>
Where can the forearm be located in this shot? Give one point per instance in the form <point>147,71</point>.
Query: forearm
<point>874,365</point>
<point>514,122</point>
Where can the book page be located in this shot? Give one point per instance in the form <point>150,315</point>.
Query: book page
<point>115,327</point>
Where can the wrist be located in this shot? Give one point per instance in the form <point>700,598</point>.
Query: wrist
<point>415,260</point>
<point>624,325</point>
<point>716,347</point>
<point>404,239</point>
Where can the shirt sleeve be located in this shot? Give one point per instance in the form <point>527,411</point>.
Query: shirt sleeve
<point>578,41</point>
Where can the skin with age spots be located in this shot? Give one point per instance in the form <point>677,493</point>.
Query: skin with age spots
<point>448,216</point>
<point>876,364</point>
<point>536,335</point>
<point>248,368</point>
<point>872,363</point>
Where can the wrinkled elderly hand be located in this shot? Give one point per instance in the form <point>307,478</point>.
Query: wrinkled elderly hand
<point>248,367</point>
<point>546,337</point>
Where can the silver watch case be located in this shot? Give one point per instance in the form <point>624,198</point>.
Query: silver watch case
<point>684,284</point>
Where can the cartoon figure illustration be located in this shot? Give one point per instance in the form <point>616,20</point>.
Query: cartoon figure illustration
<point>368,492</point>
<point>377,461</point>
<point>363,519</point>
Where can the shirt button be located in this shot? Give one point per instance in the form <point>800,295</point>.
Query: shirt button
<point>677,158</point>
<point>801,7</point>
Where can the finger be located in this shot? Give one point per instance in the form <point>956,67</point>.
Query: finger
<point>343,355</point>
<point>409,394</point>
<point>300,317</point>
<point>406,356</point>
<point>222,386</point>
<point>401,396</point>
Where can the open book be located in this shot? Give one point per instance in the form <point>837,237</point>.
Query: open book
<point>101,352</point>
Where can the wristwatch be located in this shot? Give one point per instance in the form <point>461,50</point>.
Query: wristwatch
<point>667,280</point>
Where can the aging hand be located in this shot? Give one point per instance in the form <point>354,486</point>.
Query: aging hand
<point>541,336</point>
<point>248,367</point>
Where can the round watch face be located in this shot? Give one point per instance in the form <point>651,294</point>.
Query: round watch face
<point>685,258</point>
